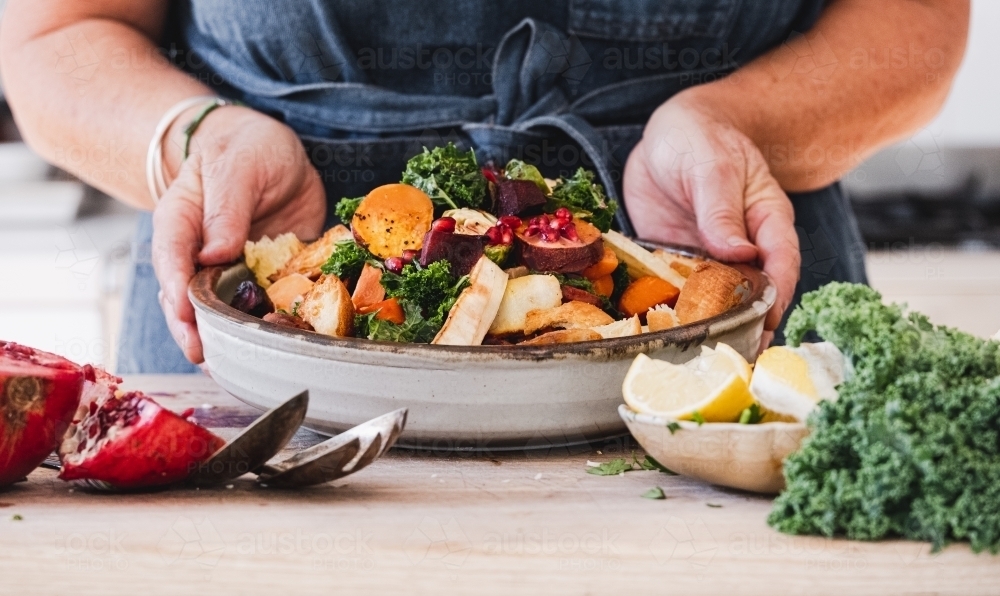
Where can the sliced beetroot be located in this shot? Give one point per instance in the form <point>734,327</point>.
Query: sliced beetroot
<point>252,299</point>
<point>39,393</point>
<point>562,255</point>
<point>515,197</point>
<point>128,441</point>
<point>287,320</point>
<point>461,250</point>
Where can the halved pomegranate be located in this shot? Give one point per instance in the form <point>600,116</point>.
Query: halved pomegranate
<point>125,440</point>
<point>39,393</point>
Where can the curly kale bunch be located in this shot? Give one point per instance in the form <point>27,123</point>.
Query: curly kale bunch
<point>451,178</point>
<point>426,295</point>
<point>347,260</point>
<point>585,198</point>
<point>911,447</point>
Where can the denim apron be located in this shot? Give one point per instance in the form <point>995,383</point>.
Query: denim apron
<point>562,84</point>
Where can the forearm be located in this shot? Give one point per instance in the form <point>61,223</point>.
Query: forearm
<point>87,95</point>
<point>868,74</point>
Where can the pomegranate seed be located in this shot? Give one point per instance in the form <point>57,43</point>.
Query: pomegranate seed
<point>490,175</point>
<point>495,235</point>
<point>395,264</point>
<point>187,413</point>
<point>508,237</point>
<point>563,214</point>
<point>409,255</point>
<point>511,221</point>
<point>444,224</point>
<point>569,231</point>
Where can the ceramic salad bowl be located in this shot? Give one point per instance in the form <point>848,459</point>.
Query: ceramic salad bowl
<point>478,398</point>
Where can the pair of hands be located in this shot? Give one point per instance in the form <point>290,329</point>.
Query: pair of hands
<point>695,178</point>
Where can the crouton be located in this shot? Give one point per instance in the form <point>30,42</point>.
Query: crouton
<point>572,315</point>
<point>310,259</point>
<point>266,256</point>
<point>562,336</point>
<point>522,295</point>
<point>712,289</point>
<point>622,328</point>
<point>661,317</point>
<point>327,307</point>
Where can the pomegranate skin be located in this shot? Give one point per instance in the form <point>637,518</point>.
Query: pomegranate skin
<point>151,446</point>
<point>39,393</point>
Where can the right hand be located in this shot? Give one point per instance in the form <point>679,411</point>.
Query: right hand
<point>247,176</point>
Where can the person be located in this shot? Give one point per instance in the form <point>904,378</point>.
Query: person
<point>722,124</point>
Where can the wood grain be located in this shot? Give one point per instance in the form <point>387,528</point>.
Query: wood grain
<point>422,522</point>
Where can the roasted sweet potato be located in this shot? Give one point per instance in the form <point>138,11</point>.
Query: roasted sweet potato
<point>603,268</point>
<point>604,286</point>
<point>369,288</point>
<point>645,293</point>
<point>391,219</point>
<point>386,310</point>
<point>288,290</point>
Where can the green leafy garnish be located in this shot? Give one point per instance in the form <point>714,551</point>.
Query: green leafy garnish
<point>714,505</point>
<point>911,445</point>
<point>654,493</point>
<point>585,198</point>
<point>518,170</point>
<point>751,415</point>
<point>346,260</point>
<point>17,517</point>
<point>426,295</point>
<point>697,417</point>
<point>611,468</point>
<point>451,178</point>
<point>651,464</point>
<point>346,207</point>
<point>673,427</point>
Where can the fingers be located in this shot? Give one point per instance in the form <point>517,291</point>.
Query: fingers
<point>771,223</point>
<point>177,225</point>
<point>230,204</point>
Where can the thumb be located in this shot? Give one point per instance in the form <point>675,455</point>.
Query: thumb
<point>230,202</point>
<point>177,236</point>
<point>718,206</point>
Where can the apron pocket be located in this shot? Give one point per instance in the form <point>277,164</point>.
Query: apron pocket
<point>651,20</point>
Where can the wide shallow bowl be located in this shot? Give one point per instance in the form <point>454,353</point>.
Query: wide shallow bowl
<point>481,398</point>
<point>744,456</point>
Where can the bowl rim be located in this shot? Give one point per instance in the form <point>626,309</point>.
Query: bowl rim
<point>631,416</point>
<point>202,293</point>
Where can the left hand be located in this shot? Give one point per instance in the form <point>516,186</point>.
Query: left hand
<point>696,179</point>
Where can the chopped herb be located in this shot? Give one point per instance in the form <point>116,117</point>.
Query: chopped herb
<point>16,517</point>
<point>697,417</point>
<point>585,198</point>
<point>611,468</point>
<point>518,170</point>
<point>346,260</point>
<point>651,464</point>
<point>751,415</point>
<point>295,308</point>
<point>654,493</point>
<point>346,207</point>
<point>673,427</point>
<point>714,505</point>
<point>451,178</point>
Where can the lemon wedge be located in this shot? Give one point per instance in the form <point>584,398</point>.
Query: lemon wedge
<point>708,390</point>
<point>789,382</point>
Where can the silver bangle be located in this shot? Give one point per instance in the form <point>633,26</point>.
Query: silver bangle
<point>154,155</point>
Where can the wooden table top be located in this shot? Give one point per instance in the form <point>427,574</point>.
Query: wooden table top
<point>421,522</point>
